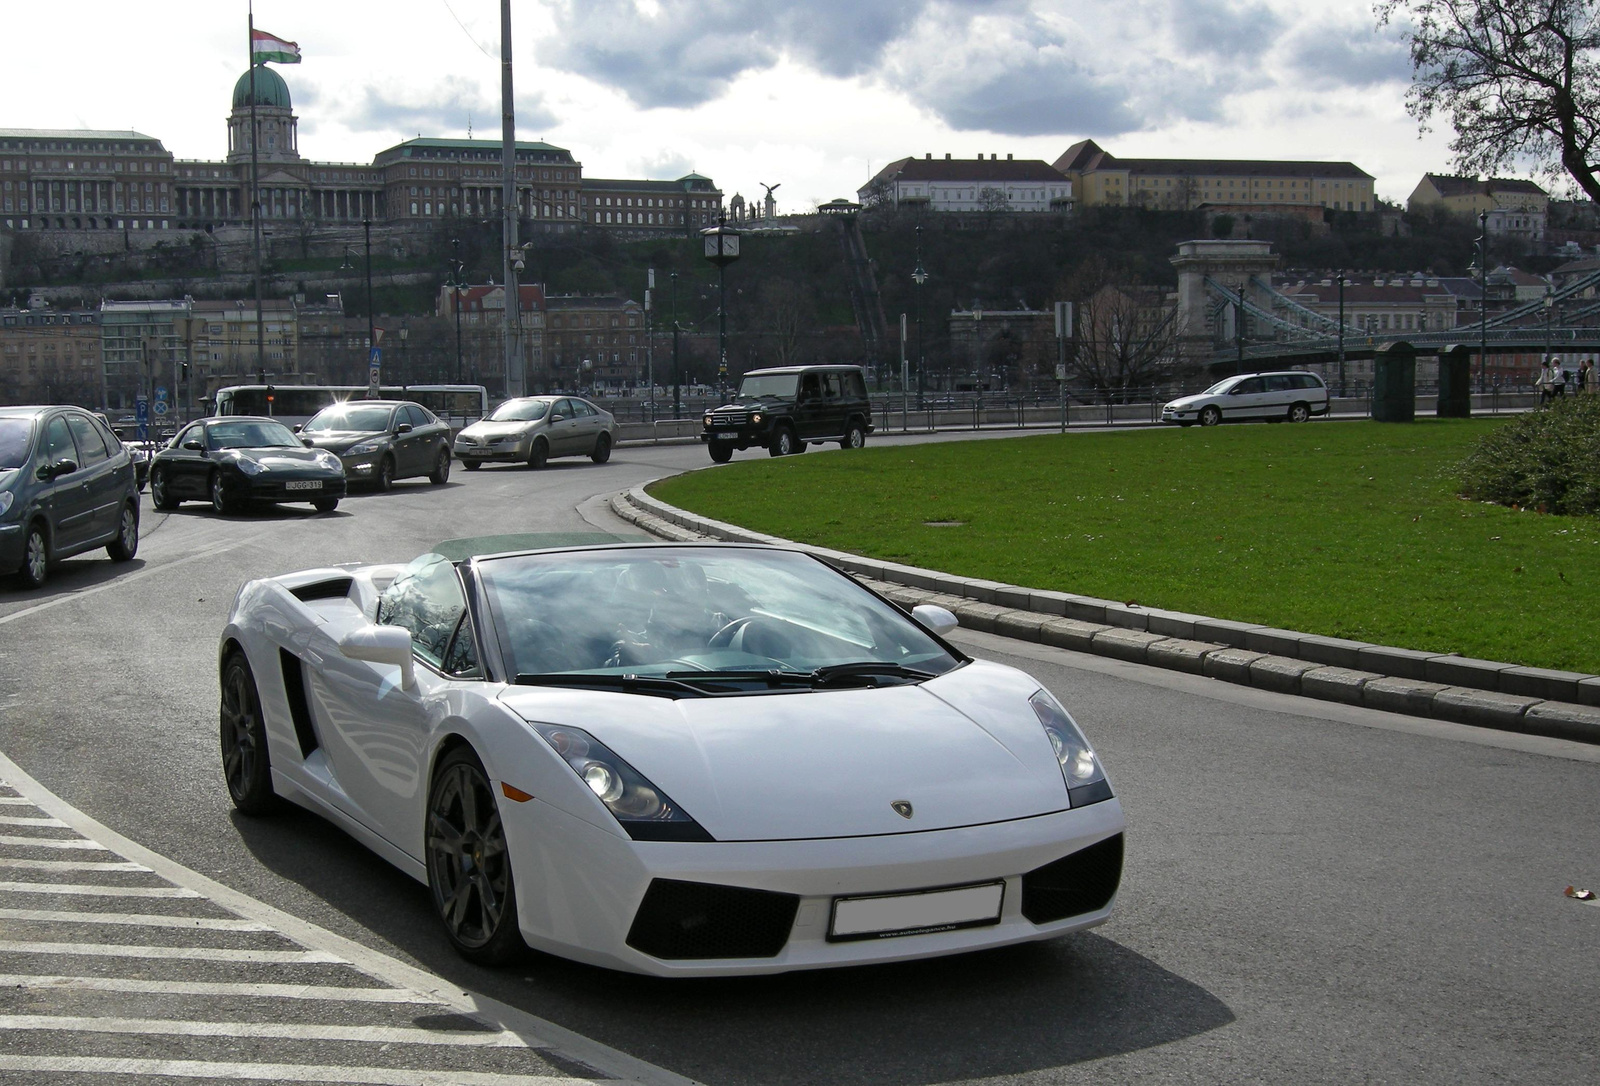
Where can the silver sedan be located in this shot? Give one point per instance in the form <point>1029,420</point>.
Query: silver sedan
<point>532,429</point>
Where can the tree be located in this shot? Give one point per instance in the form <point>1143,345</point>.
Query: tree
<point>1519,79</point>
<point>1126,334</point>
<point>993,199</point>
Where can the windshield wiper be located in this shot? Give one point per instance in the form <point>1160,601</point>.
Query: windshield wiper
<point>628,684</point>
<point>837,674</point>
<point>771,677</point>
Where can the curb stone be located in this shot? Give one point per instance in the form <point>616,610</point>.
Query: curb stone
<point>1446,686</point>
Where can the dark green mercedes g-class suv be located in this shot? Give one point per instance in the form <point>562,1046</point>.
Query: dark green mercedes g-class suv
<point>782,410</point>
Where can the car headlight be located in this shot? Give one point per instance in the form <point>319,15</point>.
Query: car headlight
<point>642,808</point>
<point>364,448</point>
<point>328,460</point>
<point>6,498</point>
<point>706,421</point>
<point>247,465</point>
<point>1084,776</point>
<point>757,417</point>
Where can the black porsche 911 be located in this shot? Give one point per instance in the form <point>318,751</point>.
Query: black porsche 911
<point>235,460</point>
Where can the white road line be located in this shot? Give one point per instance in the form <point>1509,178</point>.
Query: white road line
<point>221,989</point>
<point>277,1072</point>
<point>381,967</point>
<point>165,1027</point>
<point>17,820</point>
<point>55,842</point>
<point>117,582</point>
<point>196,923</point>
<point>71,865</point>
<point>19,801</point>
<point>95,891</point>
<point>176,953</point>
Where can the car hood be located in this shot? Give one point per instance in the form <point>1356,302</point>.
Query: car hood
<point>963,749</point>
<point>489,431</point>
<point>1183,403</point>
<point>343,439</point>
<point>750,403</point>
<point>281,458</point>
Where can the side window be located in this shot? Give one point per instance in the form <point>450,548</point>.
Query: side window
<point>461,659</point>
<point>108,435</point>
<point>425,599</point>
<point>810,387</point>
<point>414,415</point>
<point>195,431</point>
<point>1305,380</point>
<point>58,441</point>
<point>1249,388</point>
<point>1279,383</point>
<point>854,386</point>
<point>90,444</point>
<point>830,385</point>
<point>562,408</point>
<point>582,408</point>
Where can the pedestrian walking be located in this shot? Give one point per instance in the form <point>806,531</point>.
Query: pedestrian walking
<point>1558,378</point>
<point>1585,369</point>
<point>1543,383</point>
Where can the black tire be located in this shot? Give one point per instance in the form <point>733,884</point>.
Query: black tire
<point>469,867</point>
<point>720,453</point>
<point>539,454</point>
<point>471,465</point>
<point>602,449</point>
<point>221,500</point>
<point>325,505</point>
<point>126,545</point>
<point>855,436</point>
<point>1210,415</point>
<point>35,556</point>
<point>160,492</point>
<point>440,474</point>
<point>784,442</point>
<point>384,480</point>
<point>246,765</point>
<point>1300,413</point>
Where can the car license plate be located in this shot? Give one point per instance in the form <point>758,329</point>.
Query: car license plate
<point>303,484</point>
<point>888,915</point>
<point>724,437</point>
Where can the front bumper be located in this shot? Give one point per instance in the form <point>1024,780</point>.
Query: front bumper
<point>262,488</point>
<point>743,437</point>
<point>591,918</point>
<point>504,450</point>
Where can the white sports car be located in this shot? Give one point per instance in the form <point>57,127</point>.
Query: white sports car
<point>669,759</point>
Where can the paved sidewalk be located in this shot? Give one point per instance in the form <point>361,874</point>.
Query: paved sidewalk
<point>1536,701</point>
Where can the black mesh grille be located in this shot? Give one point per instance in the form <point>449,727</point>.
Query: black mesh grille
<point>699,920</point>
<point>1073,885</point>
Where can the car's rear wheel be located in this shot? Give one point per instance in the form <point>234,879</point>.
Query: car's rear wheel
<point>855,437</point>
<point>325,505</point>
<point>161,490</point>
<point>538,454</point>
<point>221,500</point>
<point>784,442</point>
<point>384,480</point>
<point>126,545</point>
<point>1210,416</point>
<point>441,469</point>
<point>602,449</point>
<point>469,866</point>
<point>720,453</point>
<point>35,556</point>
<point>245,763</point>
<point>1300,413</point>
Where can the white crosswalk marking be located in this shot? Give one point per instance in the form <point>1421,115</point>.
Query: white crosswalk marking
<point>145,920</point>
<point>279,1072</point>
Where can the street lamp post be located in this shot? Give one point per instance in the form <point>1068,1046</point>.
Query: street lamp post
<point>1483,301</point>
<point>722,249</point>
<point>1341,331</point>
<point>677,406</point>
<point>404,333</point>
<point>373,372</point>
<point>456,274</point>
<point>1549,311</point>
<point>919,276</point>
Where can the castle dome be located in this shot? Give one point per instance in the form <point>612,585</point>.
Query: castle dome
<point>271,90</point>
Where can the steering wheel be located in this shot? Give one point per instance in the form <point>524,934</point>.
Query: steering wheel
<point>724,637</point>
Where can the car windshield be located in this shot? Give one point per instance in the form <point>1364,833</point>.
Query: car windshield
<point>249,435</point>
<point>520,411</point>
<point>1222,386</point>
<point>349,417</point>
<point>14,442</point>
<point>690,613</point>
<point>775,386</point>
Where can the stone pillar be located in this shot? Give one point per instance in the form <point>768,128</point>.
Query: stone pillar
<point>1394,383</point>
<point>1455,383</point>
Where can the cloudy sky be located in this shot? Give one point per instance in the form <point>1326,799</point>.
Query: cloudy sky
<point>812,95</point>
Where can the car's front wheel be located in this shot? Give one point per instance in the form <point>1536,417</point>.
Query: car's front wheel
<point>469,866</point>
<point>1210,416</point>
<point>245,763</point>
<point>161,490</point>
<point>720,453</point>
<point>325,505</point>
<point>1300,413</point>
<point>221,500</point>
<point>441,469</point>
<point>538,454</point>
<point>384,480</point>
<point>784,442</point>
<point>126,545</point>
<point>471,465</point>
<point>35,557</point>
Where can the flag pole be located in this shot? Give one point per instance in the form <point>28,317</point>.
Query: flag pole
<point>255,196</point>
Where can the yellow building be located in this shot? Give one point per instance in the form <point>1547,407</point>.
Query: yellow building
<point>1181,184</point>
<point>1515,209</point>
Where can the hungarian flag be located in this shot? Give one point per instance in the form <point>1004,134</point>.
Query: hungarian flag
<point>265,47</point>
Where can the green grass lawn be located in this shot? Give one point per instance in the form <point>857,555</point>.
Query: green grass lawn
<point>1350,529</point>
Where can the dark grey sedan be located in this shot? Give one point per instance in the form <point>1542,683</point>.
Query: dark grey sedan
<point>380,441</point>
<point>66,486</point>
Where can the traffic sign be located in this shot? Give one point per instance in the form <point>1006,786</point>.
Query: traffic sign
<point>159,407</point>
<point>141,409</point>
<point>375,356</point>
<point>161,393</point>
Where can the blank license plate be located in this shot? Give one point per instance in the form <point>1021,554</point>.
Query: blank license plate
<point>303,484</point>
<point>916,914</point>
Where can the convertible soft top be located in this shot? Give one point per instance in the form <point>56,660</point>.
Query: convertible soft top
<point>473,546</point>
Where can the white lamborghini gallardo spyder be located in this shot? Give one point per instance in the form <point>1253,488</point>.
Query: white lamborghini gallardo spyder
<point>669,759</point>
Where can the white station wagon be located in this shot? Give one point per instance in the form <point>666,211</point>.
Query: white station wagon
<point>1290,394</point>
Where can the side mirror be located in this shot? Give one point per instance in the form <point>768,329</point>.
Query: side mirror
<point>308,443</point>
<point>57,469</point>
<point>403,428</point>
<point>382,645</point>
<point>557,418</point>
<point>195,445</point>
<point>935,618</point>
<point>297,426</point>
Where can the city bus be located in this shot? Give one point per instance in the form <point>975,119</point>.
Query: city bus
<point>459,405</point>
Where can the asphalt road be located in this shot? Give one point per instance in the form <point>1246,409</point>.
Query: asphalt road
<point>1313,893</point>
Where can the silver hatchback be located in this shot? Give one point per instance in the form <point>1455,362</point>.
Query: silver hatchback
<point>532,429</point>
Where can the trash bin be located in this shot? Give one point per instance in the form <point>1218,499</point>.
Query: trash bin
<point>1394,383</point>
<point>1455,383</point>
